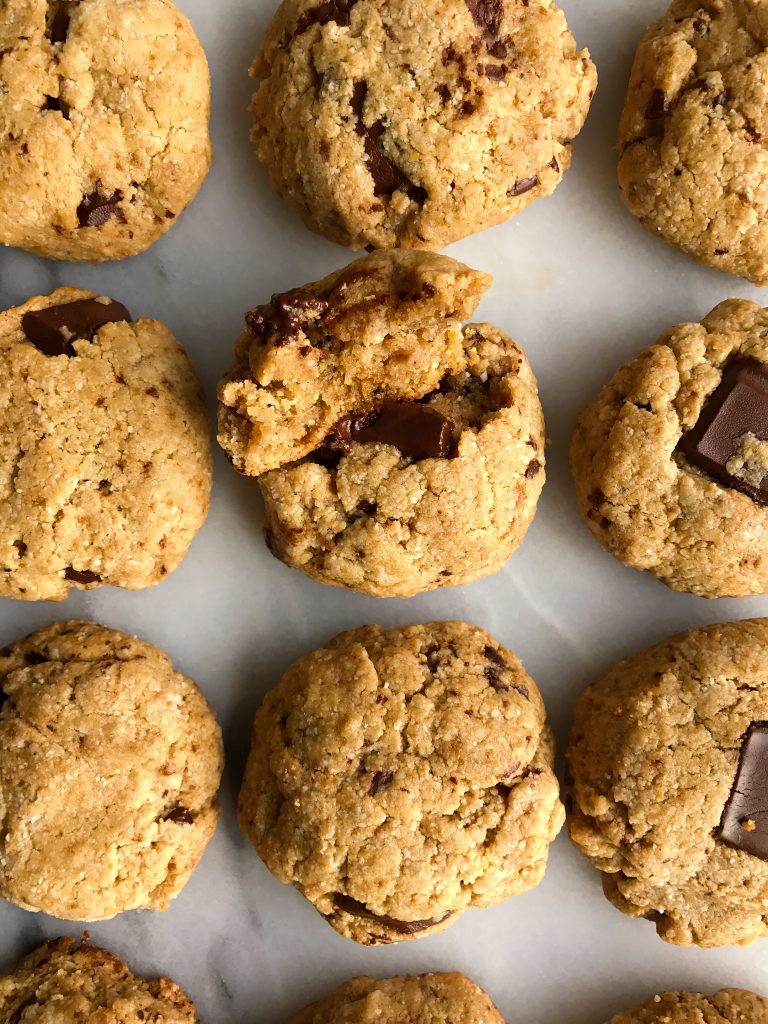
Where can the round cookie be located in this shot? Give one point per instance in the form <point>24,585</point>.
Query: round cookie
<point>116,97</point>
<point>397,777</point>
<point>105,460</point>
<point>668,787</point>
<point>396,451</point>
<point>670,458</point>
<point>729,1006</point>
<point>693,164</point>
<point>421,999</point>
<point>66,983</point>
<point>109,766</point>
<point>420,122</point>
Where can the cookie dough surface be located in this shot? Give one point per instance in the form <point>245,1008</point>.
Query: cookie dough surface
<point>66,983</point>
<point>729,1006</point>
<point>423,999</point>
<point>105,461</point>
<point>398,777</point>
<point>653,756</point>
<point>115,96</point>
<point>641,496</point>
<point>418,123</point>
<point>109,766</point>
<point>693,162</point>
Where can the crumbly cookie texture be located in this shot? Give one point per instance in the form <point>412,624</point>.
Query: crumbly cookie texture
<point>692,165</point>
<point>653,754</point>
<point>423,999</point>
<point>109,766</point>
<point>397,777</point>
<point>729,1006</point>
<point>641,496</point>
<point>115,96</point>
<point>105,460</point>
<point>63,982</point>
<point>420,122</point>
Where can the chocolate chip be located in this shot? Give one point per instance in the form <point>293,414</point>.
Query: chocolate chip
<point>34,658</point>
<point>523,185</point>
<point>337,11</point>
<point>59,23</point>
<point>444,93</point>
<point>53,329</point>
<point>354,907</point>
<point>522,689</point>
<point>416,430</point>
<point>532,469</point>
<point>488,15</point>
<point>380,781</point>
<point>467,108</point>
<point>744,824</point>
<point>554,164</point>
<point>496,72</point>
<point>388,178</point>
<point>494,679</point>
<point>699,25</point>
<point>97,208</point>
<point>180,815</point>
<point>493,655</point>
<point>655,108</point>
<point>281,320</point>
<point>81,575</point>
<point>738,406</point>
<point>499,48</point>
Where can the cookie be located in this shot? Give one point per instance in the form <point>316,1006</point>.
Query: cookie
<point>423,999</point>
<point>66,983</point>
<point>397,777</point>
<point>396,451</point>
<point>670,460</point>
<point>667,760</point>
<point>729,1006</point>
<point>417,123</point>
<point>692,165</point>
<point>116,97</point>
<point>109,766</point>
<point>105,460</point>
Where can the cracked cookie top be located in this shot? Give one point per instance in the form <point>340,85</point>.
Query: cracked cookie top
<point>420,122</point>
<point>693,133</point>
<point>667,762</point>
<point>421,999</point>
<point>64,982</point>
<point>116,97</point>
<point>109,766</point>
<point>729,1006</point>
<point>105,461</point>
<point>397,777</point>
<point>670,459</point>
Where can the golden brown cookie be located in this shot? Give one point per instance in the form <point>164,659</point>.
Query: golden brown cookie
<point>729,1006</point>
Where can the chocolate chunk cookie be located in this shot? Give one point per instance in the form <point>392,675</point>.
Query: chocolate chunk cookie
<point>396,451</point>
<point>420,122</point>
<point>669,785</point>
<point>109,766</point>
<point>423,999</point>
<point>729,1006</point>
<point>105,461</point>
<point>397,777</point>
<point>670,459</point>
<point>693,133</point>
<point>104,111</point>
<point>66,983</point>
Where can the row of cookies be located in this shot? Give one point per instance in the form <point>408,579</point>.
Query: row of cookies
<point>397,448</point>
<point>396,778</point>
<point>77,981</point>
<point>411,125</point>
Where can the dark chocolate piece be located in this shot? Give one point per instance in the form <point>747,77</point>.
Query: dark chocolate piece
<point>97,208</point>
<point>380,781</point>
<point>282,318</point>
<point>744,824</point>
<point>494,679</point>
<point>387,177</point>
<point>418,431</point>
<point>55,328</point>
<point>181,815</point>
<point>737,406</point>
<point>337,11</point>
<point>495,656</point>
<point>62,12</point>
<point>523,185</point>
<point>352,906</point>
<point>487,14</point>
<point>81,575</point>
<point>655,108</point>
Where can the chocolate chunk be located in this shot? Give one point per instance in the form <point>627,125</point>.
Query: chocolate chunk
<point>418,431</point>
<point>387,177</point>
<point>284,316</point>
<point>493,655</point>
<point>655,108</point>
<point>744,824</point>
<point>532,469</point>
<point>352,906</point>
<point>487,15</point>
<point>34,658</point>
<point>496,72</point>
<point>380,781</point>
<point>522,689</point>
<point>81,575</point>
<point>53,330</point>
<point>97,208</point>
<point>59,24</point>
<point>523,185</point>
<point>494,679</point>
<point>337,11</point>
<point>738,406</point>
<point>181,815</point>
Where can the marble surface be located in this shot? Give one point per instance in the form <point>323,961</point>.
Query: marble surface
<point>582,287</point>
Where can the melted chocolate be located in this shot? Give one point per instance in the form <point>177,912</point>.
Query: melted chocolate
<point>354,907</point>
<point>387,176</point>
<point>54,329</point>
<point>416,430</point>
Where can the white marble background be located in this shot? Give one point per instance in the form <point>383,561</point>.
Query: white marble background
<point>582,287</point>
